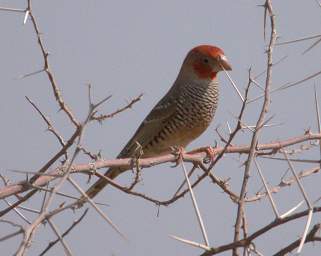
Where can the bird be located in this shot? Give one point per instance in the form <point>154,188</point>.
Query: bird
<point>181,116</point>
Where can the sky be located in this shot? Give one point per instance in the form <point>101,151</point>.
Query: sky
<point>125,48</point>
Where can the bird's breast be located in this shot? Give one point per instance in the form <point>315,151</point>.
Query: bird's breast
<point>199,102</point>
<point>195,108</point>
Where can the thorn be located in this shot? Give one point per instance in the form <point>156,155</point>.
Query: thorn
<point>264,21</point>
<point>26,17</point>
<point>31,74</point>
<point>312,46</point>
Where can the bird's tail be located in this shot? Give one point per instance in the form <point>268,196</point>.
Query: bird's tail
<point>111,173</point>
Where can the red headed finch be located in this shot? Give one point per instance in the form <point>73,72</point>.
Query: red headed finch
<point>181,115</point>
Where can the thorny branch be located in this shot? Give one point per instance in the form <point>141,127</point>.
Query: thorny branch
<point>262,149</point>
<point>50,126</point>
<point>72,226</point>
<point>260,122</point>
<point>311,237</point>
<point>247,241</point>
<point>29,232</point>
<point>129,105</point>
<point>47,69</point>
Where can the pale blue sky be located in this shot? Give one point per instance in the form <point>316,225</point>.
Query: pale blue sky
<point>125,48</point>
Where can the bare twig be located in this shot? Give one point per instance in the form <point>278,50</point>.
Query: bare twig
<point>298,40</point>
<point>258,233</point>
<point>47,69</point>
<point>29,232</point>
<point>99,211</point>
<point>312,46</point>
<point>60,238</point>
<point>23,186</point>
<point>192,243</point>
<point>318,116</point>
<point>305,196</point>
<point>311,237</point>
<point>73,225</point>
<point>11,9</point>
<point>129,105</point>
<point>284,183</point>
<point>305,232</point>
<point>288,85</point>
<point>276,212</point>
<point>19,231</point>
<point>255,136</point>
<point>233,83</point>
<point>49,125</point>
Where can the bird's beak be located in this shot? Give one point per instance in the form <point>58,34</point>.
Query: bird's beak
<point>224,63</point>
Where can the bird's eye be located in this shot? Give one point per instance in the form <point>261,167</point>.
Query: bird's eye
<point>205,60</point>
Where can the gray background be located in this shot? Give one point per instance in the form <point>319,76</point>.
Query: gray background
<point>125,48</point>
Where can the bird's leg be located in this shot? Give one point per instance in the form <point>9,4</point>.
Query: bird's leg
<point>138,153</point>
<point>178,151</point>
<point>92,172</point>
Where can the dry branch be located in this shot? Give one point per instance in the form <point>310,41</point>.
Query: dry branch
<point>262,149</point>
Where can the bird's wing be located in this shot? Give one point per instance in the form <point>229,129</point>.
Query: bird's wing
<point>152,125</point>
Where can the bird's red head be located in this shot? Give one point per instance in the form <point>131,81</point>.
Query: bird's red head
<point>206,61</point>
<point>208,50</point>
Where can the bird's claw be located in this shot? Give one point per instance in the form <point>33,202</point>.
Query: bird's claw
<point>80,203</point>
<point>210,155</point>
<point>178,152</point>
<point>92,171</point>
